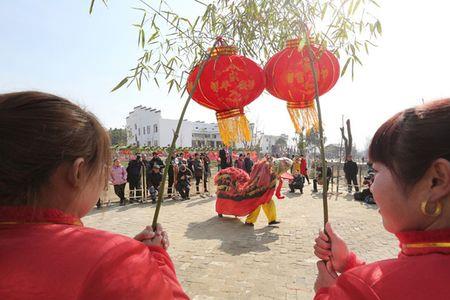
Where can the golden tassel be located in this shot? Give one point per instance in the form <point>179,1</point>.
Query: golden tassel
<point>233,126</point>
<point>304,116</point>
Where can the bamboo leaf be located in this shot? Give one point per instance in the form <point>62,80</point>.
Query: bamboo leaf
<point>366,47</point>
<point>91,8</point>
<point>353,69</point>
<point>350,8</point>
<point>375,3</point>
<point>142,38</point>
<point>153,36</point>
<point>198,1</point>
<point>378,26</point>
<point>302,43</point>
<point>118,86</point>
<point>345,66</point>
<point>324,10</point>
<point>143,19</point>
<point>171,84</point>
<point>358,2</point>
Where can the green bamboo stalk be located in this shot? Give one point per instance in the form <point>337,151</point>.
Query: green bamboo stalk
<point>321,141</point>
<point>175,136</point>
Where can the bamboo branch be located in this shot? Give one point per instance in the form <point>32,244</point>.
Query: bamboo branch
<point>321,139</point>
<point>175,136</point>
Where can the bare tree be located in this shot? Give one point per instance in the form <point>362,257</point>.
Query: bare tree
<point>348,140</point>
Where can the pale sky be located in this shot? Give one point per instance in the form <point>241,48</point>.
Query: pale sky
<point>57,47</point>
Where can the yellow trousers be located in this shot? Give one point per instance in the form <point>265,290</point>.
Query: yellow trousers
<point>269,209</point>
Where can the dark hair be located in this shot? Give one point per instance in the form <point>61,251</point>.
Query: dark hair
<point>40,132</point>
<point>410,141</point>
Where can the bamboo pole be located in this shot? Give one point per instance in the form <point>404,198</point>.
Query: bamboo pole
<point>176,133</point>
<point>321,140</point>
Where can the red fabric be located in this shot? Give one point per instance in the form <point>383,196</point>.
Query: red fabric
<point>52,259</point>
<point>287,176</point>
<point>242,208</point>
<point>303,167</point>
<point>227,82</point>
<point>289,76</point>
<point>238,194</point>
<point>278,190</point>
<point>417,273</point>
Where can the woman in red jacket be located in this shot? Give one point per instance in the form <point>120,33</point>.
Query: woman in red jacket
<point>411,158</point>
<point>54,163</point>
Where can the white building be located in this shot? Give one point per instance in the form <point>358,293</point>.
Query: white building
<point>146,127</point>
<point>268,142</point>
<point>206,135</point>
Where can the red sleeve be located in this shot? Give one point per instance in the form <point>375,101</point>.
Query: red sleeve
<point>347,287</point>
<point>278,189</point>
<point>133,271</point>
<point>353,261</point>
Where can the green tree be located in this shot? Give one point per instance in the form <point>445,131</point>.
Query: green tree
<point>118,136</point>
<point>172,43</point>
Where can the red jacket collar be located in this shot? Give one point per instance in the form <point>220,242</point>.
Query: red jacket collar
<point>425,242</point>
<point>27,214</point>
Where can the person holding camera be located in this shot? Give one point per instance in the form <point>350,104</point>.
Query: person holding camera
<point>182,184</point>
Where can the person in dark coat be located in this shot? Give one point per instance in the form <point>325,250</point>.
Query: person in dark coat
<point>223,159</point>
<point>134,170</point>
<point>156,160</point>
<point>239,163</point>
<point>154,179</point>
<point>182,184</point>
<point>198,171</point>
<point>206,170</point>
<point>171,172</point>
<point>351,170</point>
<point>190,163</point>
<point>248,164</point>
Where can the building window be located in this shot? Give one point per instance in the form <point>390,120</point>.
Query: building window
<point>139,131</point>
<point>148,129</point>
<point>155,129</point>
<point>135,126</point>
<point>143,129</point>
<point>213,136</point>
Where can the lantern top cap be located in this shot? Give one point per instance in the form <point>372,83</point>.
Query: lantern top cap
<point>293,43</point>
<point>224,50</point>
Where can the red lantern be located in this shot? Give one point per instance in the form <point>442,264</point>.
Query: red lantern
<point>228,83</point>
<point>289,77</point>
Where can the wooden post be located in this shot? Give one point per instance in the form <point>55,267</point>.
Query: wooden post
<point>340,162</point>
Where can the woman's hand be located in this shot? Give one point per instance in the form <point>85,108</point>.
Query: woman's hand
<point>336,251</point>
<point>326,276</point>
<point>154,238</point>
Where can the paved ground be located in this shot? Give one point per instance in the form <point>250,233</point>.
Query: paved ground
<point>220,258</point>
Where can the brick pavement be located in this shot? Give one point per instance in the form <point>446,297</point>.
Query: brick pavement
<point>220,258</point>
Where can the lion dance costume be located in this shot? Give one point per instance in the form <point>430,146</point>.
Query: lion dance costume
<point>239,194</point>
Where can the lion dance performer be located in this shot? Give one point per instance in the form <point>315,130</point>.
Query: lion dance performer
<point>239,194</point>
